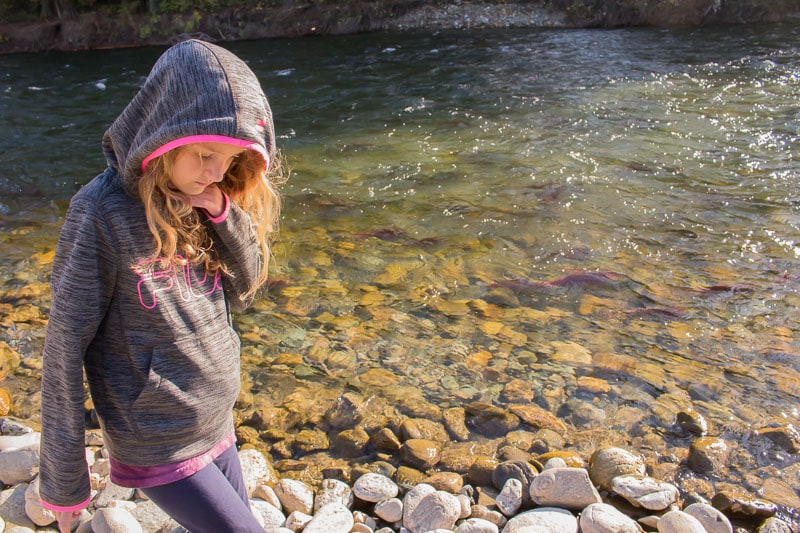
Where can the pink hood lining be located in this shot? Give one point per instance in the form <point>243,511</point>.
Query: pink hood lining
<point>183,141</point>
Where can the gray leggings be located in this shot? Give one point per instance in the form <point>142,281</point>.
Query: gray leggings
<point>213,500</point>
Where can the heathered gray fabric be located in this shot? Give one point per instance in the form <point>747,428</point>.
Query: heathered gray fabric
<point>158,348</point>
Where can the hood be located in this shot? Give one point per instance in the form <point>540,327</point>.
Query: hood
<point>196,92</point>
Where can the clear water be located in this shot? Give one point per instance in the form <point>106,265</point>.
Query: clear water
<point>443,183</point>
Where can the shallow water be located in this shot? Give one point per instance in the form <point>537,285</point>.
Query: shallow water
<point>472,209</point>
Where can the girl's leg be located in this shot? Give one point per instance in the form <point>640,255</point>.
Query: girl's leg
<point>208,501</point>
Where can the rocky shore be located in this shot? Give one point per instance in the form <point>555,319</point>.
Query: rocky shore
<point>421,483</point>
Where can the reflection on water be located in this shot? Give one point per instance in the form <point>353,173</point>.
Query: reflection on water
<point>607,216</point>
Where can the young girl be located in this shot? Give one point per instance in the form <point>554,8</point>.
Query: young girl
<point>154,255</point>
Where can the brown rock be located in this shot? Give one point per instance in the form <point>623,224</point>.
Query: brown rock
<point>481,471</point>
<point>539,418</point>
<point>489,420</point>
<point>708,454</point>
<point>446,481</point>
<point>421,453</point>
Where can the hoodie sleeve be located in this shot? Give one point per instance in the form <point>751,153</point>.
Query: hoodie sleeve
<point>84,272</point>
<point>239,251</point>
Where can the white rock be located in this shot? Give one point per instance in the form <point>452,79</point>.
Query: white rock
<point>19,465</point>
<point>333,491</point>
<point>123,504</point>
<point>437,510</point>
<point>712,518</point>
<point>363,518</point>
<point>568,488</point>
<point>333,518</point>
<point>112,492</point>
<point>12,506</point>
<point>510,498</point>
<point>390,510</point>
<point>19,529</point>
<point>295,496</point>
<point>101,467</point>
<point>296,521</point>
<point>413,497</point>
<point>255,469</point>
<point>13,442</point>
<point>477,525</point>
<point>152,518</point>
<point>372,487</point>
<point>115,520</point>
<point>466,505</point>
<point>267,514</point>
<point>555,462</point>
<point>645,492</point>
<point>679,522</point>
<point>604,518</point>
<point>358,527</point>
<point>543,520</point>
<point>33,506</point>
<point>266,493</point>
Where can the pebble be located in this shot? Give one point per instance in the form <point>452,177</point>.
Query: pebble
<point>645,492</point>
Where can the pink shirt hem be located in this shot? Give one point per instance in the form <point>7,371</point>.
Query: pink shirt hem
<point>143,477</point>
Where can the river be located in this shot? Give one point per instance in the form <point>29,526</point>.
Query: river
<point>605,223</point>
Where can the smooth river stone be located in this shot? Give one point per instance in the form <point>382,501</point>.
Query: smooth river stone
<point>437,510</point>
<point>421,453</point>
<point>608,463</point>
<point>543,520</point>
<point>295,496</point>
<point>602,518</point>
<point>708,455</point>
<point>645,492</point>
<point>373,488</point>
<point>476,525</point>
<point>333,518</point>
<point>712,519</point>
<point>390,510</point>
<point>567,487</point>
<point>679,522</point>
<point>115,520</point>
<point>333,491</point>
<point>510,498</point>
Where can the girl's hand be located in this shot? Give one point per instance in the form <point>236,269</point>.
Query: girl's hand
<point>65,519</point>
<point>210,199</point>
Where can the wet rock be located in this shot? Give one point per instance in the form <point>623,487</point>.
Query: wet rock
<point>333,491</point>
<point>510,498</point>
<point>390,510</point>
<point>408,477</point>
<point>295,495</point>
<point>446,481</point>
<point>476,525</point>
<point>374,488</point>
<point>520,470</point>
<point>708,455</point>
<point>775,525</point>
<point>455,423</point>
<point>115,520</point>
<point>385,439</point>
<point>517,391</point>
<point>421,453</point>
<point>679,522</point>
<point>786,438</point>
<point>737,502</point>
<point>607,463</point>
<point>346,412</point>
<point>543,520</point>
<point>333,518</point>
<point>581,413</point>
<point>481,472</point>
<point>312,440</point>
<point>436,510</point>
<point>712,519</point>
<point>539,418</point>
<point>645,492</point>
<point>571,459</point>
<point>421,428</point>
<point>568,488</point>
<point>351,443</point>
<point>490,420</point>
<point>605,518</point>
<point>690,421</point>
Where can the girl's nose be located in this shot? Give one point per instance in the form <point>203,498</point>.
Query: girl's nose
<point>215,172</point>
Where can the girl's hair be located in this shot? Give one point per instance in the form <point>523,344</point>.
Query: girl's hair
<point>178,231</point>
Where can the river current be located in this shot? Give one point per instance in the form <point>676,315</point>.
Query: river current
<point>608,220</point>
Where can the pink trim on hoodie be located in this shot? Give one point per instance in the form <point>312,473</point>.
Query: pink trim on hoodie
<point>191,139</point>
<point>78,507</point>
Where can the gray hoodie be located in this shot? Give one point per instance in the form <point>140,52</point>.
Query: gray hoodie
<point>157,345</point>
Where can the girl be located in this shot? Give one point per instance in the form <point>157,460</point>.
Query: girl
<point>154,254</point>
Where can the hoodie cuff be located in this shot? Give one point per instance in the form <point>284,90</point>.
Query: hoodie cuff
<point>69,508</point>
<point>225,210</point>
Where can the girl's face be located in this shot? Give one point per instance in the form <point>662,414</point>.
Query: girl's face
<point>199,165</point>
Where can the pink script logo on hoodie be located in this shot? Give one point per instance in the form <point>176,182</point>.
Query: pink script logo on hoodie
<point>162,277</point>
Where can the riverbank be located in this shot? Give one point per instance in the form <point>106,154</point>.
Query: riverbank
<point>97,31</point>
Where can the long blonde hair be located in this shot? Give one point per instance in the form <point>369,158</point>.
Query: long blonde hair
<point>178,231</point>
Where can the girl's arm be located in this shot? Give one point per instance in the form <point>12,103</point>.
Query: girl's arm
<point>81,287</point>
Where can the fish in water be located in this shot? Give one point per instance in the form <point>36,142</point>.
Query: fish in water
<point>585,279</point>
